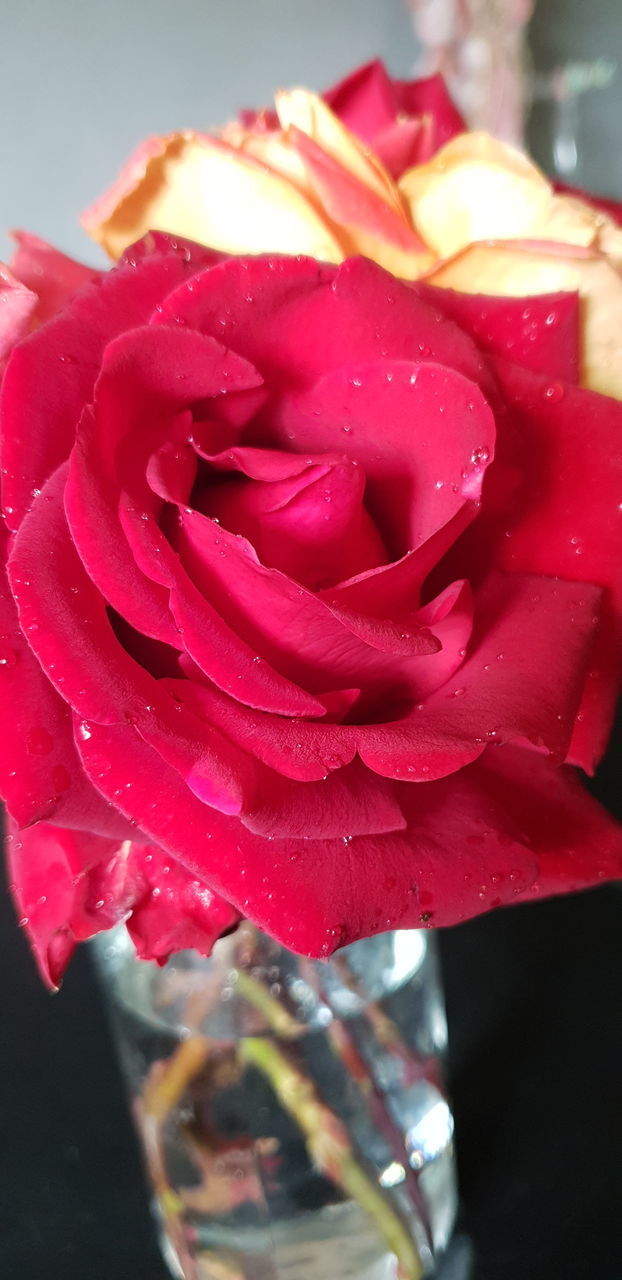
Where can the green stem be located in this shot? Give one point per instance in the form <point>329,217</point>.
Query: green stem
<point>278,1018</point>
<point>330,1149</point>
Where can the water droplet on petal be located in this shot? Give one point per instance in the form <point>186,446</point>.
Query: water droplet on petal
<point>480,456</point>
<point>554,392</point>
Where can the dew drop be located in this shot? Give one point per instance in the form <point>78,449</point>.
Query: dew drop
<point>8,658</point>
<point>554,392</point>
<point>480,456</point>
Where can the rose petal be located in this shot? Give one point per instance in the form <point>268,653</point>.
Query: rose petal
<point>312,526</point>
<point>521,268</point>
<point>50,274</point>
<point>307,119</point>
<point>350,800</point>
<point>85,890</point>
<point>567,520</point>
<point>18,305</point>
<point>50,376</point>
<point>612,208</point>
<point>523,679</point>
<point>477,187</point>
<point>40,773</point>
<point>541,332</point>
<point>148,376</point>
<point>307,639</point>
<point>365,100</point>
<point>429,97</point>
<point>199,187</point>
<point>63,614</point>
<point>296,320</point>
<point>173,911</point>
<point>438,437</point>
<point>294,748</point>
<point>468,848</point>
<point>576,842</point>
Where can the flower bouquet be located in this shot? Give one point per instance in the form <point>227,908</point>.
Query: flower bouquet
<point>312,509</point>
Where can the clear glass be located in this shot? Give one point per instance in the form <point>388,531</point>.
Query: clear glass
<point>574,127</point>
<point>292,1112</point>
<point>479,48</point>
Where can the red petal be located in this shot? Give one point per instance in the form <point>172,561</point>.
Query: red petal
<point>50,376</point>
<point>318,645</point>
<point>464,852</point>
<point>68,885</point>
<point>523,679</point>
<point>350,800</point>
<point>311,525</point>
<point>40,773</point>
<point>70,632</point>
<point>541,332</point>
<point>365,100</point>
<point>173,910</point>
<point>50,274</point>
<point>429,97</point>
<point>427,465</point>
<point>148,377</point>
<point>566,519</point>
<point>575,841</point>
<point>17,308</point>
<point>296,319</point>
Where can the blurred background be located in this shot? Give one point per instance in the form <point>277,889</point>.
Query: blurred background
<point>532,992</point>
<point>81,84</point>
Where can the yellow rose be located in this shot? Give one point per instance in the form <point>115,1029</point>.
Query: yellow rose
<point>477,216</point>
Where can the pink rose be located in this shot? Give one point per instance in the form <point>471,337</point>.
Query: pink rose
<point>313,601</point>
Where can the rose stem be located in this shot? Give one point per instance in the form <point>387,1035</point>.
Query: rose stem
<point>329,1147</point>
<point>161,1093</point>
<point>277,1017</point>
<point>384,1028</point>
<point>356,1066</point>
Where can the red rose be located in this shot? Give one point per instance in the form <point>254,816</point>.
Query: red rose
<point>317,576</point>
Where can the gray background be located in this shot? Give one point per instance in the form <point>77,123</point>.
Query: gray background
<point>82,82</point>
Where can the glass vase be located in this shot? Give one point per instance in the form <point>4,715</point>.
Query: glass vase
<point>292,1112</point>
